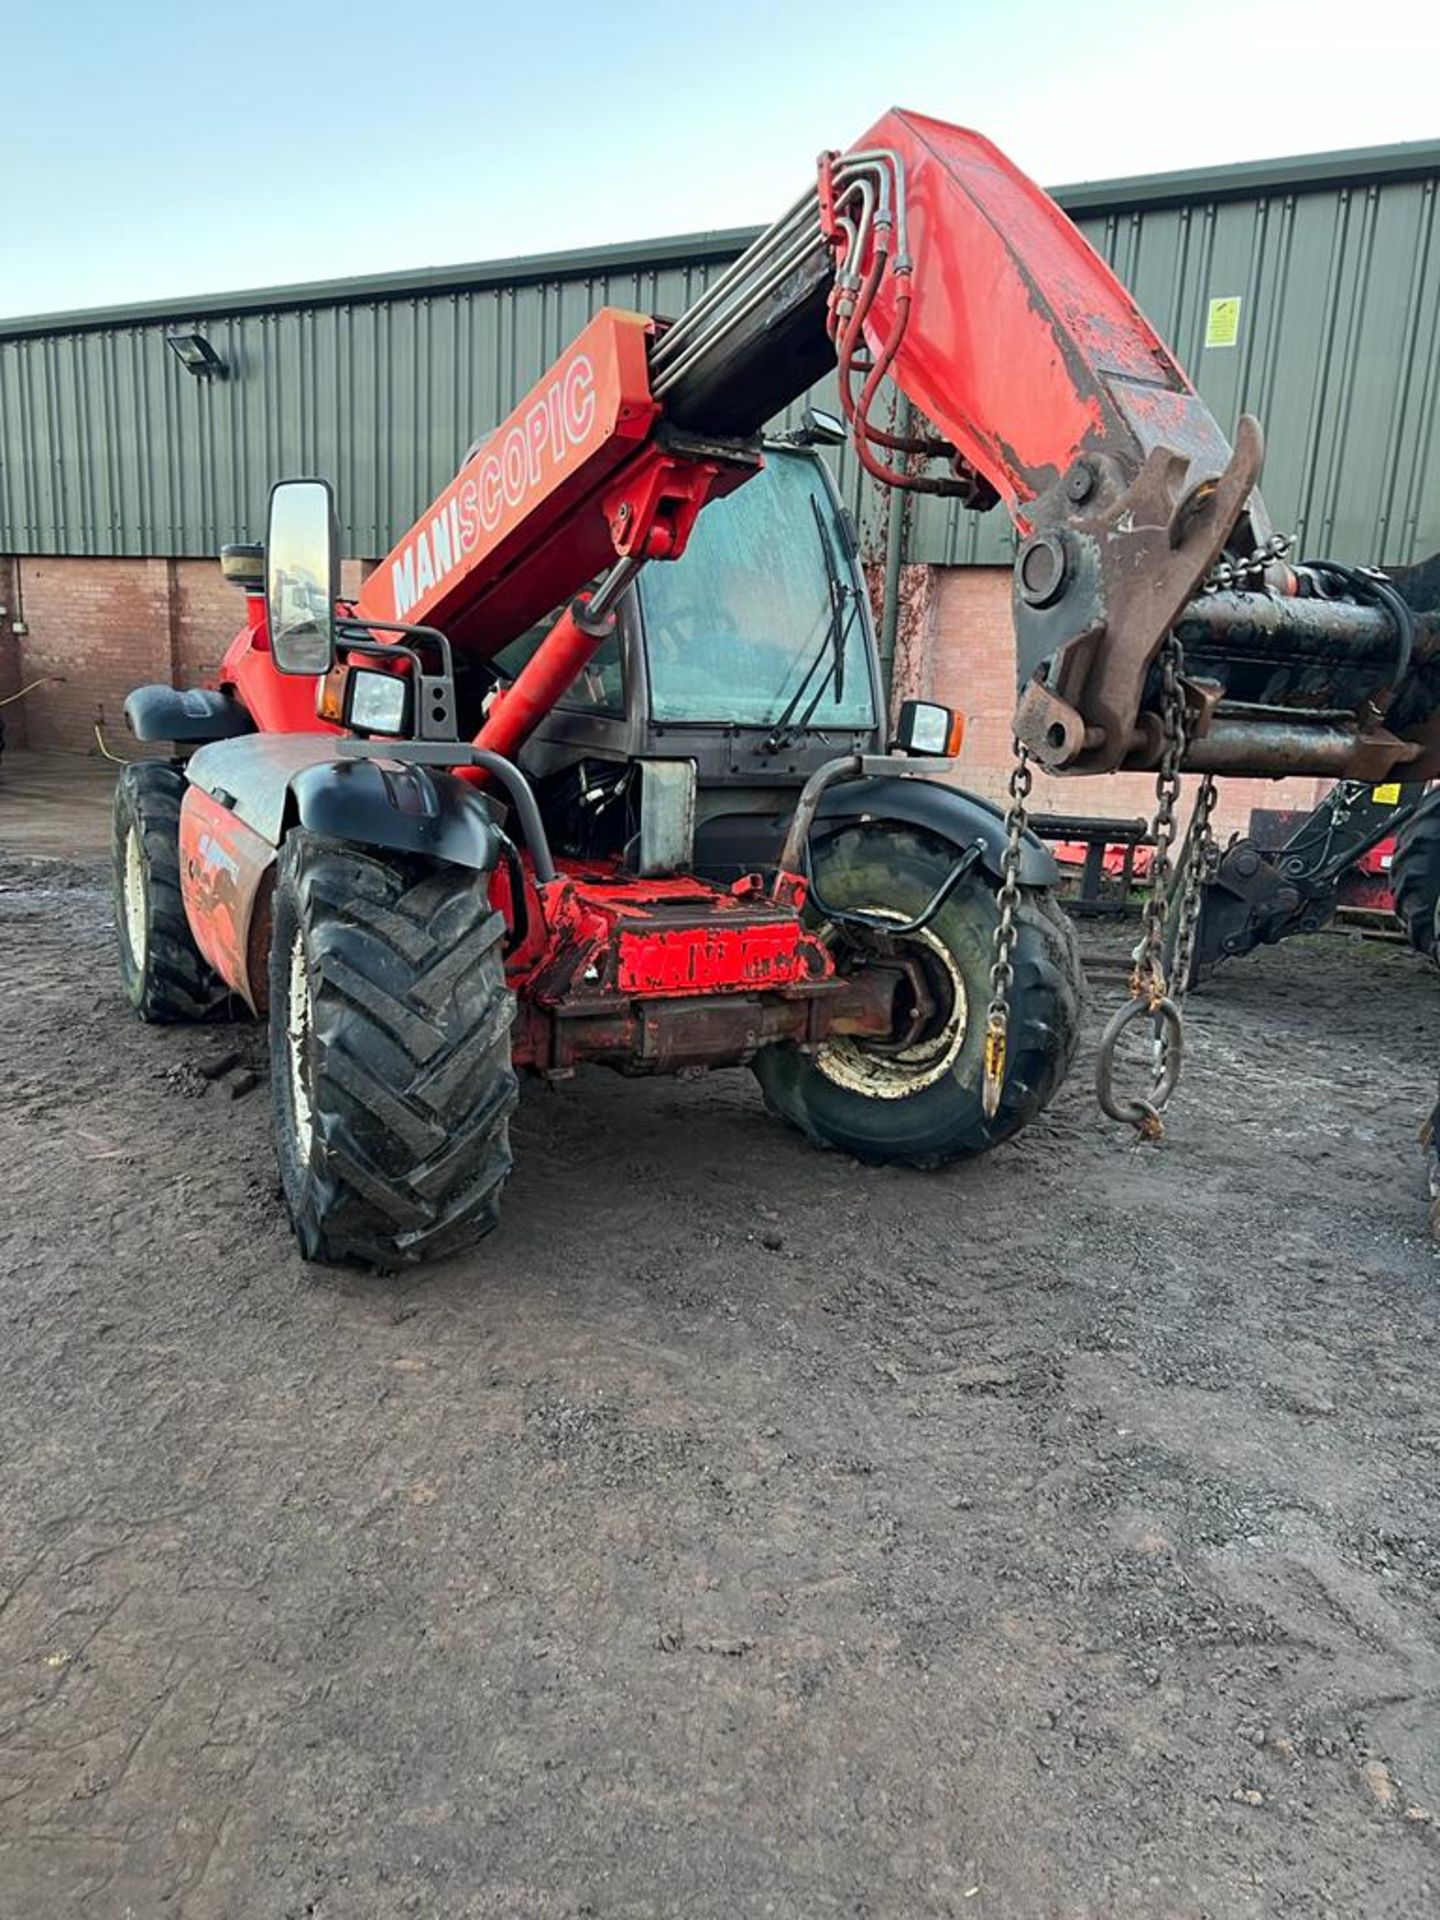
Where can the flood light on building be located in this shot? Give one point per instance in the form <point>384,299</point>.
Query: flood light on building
<point>196,355</point>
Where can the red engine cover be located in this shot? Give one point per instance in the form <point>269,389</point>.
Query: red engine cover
<point>667,939</point>
<point>712,958</point>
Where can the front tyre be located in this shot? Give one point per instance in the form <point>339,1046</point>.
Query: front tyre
<point>1415,876</point>
<point>164,974</point>
<point>389,1053</point>
<point>917,1101</point>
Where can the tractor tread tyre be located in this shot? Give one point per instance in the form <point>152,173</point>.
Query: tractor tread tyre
<point>407,1069</point>
<point>171,980</point>
<point>1415,876</point>
<point>899,869</point>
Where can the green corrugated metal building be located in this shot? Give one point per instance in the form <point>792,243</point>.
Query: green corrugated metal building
<point>108,447</point>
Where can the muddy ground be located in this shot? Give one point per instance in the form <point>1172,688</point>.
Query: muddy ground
<point>741,1532</point>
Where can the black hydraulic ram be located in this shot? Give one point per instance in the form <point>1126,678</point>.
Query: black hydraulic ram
<point>1305,683</point>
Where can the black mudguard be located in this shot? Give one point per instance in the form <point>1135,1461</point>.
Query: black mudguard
<point>947,812</point>
<point>198,713</point>
<point>405,809</point>
<point>274,781</point>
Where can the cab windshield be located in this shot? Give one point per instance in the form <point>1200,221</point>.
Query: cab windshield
<point>758,623</point>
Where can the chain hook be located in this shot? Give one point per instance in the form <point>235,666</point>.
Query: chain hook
<point>1142,1113</point>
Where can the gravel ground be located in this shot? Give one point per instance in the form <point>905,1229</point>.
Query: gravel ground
<point>740,1531</point>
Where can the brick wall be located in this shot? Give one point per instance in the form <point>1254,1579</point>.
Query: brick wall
<point>208,613</point>
<point>955,644</point>
<point>13,714</point>
<point>97,628</point>
<point>94,629</point>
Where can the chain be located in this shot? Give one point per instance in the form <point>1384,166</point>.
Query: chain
<point>1228,574</point>
<point>1002,972</point>
<point>1148,978</point>
<point>1149,995</point>
<point>1201,858</point>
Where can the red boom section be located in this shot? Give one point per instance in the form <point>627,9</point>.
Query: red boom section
<point>523,523</point>
<point>1020,344</point>
<point>573,480</point>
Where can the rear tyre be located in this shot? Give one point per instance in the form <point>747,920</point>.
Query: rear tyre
<point>164,974</point>
<point>1415,875</point>
<point>921,1106</point>
<point>389,1053</point>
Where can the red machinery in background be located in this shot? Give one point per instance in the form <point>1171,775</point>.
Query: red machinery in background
<point>1291,872</point>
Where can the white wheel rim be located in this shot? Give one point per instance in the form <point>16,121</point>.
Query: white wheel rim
<point>137,900</point>
<point>298,1011</point>
<point>896,1076</point>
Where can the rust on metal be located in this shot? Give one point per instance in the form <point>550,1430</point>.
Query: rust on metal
<point>1119,573</point>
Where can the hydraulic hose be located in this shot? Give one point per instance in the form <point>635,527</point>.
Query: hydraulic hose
<point>1374,587</point>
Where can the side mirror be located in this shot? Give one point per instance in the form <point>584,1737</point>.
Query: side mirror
<point>302,575</point>
<point>820,428</point>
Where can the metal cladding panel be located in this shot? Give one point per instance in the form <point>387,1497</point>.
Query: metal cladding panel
<point>107,445</point>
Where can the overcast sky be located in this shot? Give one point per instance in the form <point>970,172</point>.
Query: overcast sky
<point>152,150</point>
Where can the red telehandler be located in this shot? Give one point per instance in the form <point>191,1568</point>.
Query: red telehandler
<point>445,831</point>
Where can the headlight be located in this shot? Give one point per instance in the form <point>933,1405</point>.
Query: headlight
<point>378,702</point>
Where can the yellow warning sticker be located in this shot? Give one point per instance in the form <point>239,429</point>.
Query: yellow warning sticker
<point>1222,323</point>
<point>1388,795</point>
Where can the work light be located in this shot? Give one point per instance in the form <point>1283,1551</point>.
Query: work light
<point>378,702</point>
<point>925,727</point>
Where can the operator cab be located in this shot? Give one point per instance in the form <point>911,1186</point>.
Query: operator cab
<point>751,659</point>
<point>758,626</point>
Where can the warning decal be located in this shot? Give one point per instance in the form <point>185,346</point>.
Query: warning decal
<point>1222,323</point>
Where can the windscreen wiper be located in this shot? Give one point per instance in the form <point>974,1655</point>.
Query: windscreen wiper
<point>839,625</point>
<point>833,641</point>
